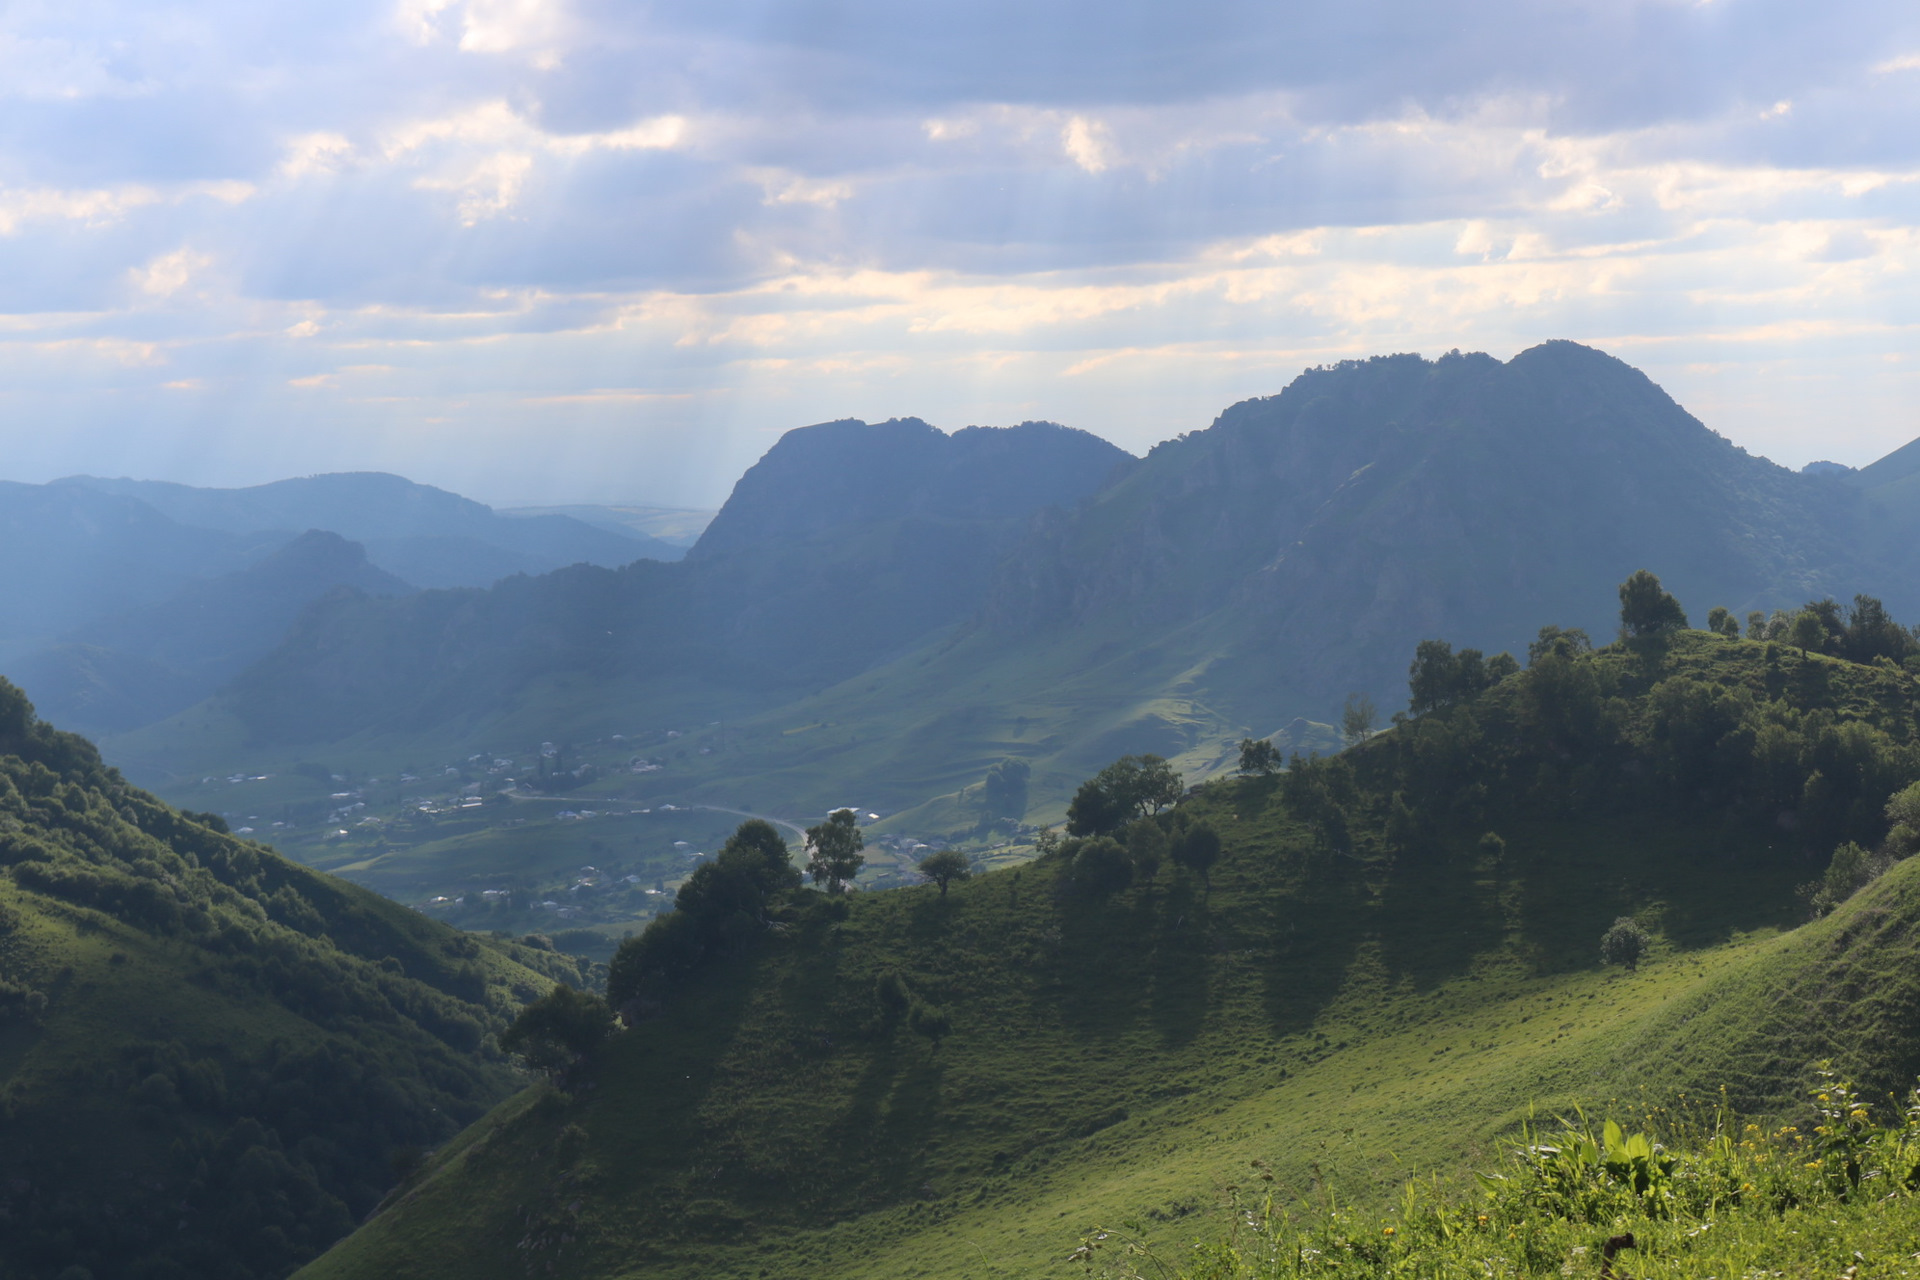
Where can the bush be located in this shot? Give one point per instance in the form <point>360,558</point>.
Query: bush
<point>1625,943</point>
<point>557,1032</point>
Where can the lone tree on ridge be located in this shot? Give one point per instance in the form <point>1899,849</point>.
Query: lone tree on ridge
<point>945,867</point>
<point>1646,608</point>
<point>835,845</point>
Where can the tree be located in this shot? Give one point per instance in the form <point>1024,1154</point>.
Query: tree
<point>1146,847</point>
<point>1646,609</point>
<point>1258,757</point>
<point>835,845</point>
<point>930,1021</point>
<point>1849,870</point>
<point>1131,787</point>
<point>1439,677</point>
<point>1197,849</point>
<point>944,867</point>
<point>1624,942</point>
<point>1721,622</point>
<point>1903,822</point>
<point>1572,641</point>
<point>1004,794</point>
<point>1101,867</point>
<point>559,1030</point>
<point>1808,632</point>
<point>1871,633</point>
<point>1757,625</point>
<point>1357,719</point>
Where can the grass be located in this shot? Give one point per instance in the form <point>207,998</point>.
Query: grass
<point>1347,1018</point>
<point>1105,1064</point>
<point>1716,1198</point>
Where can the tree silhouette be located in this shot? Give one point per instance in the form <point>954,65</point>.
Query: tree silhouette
<point>835,846</point>
<point>1646,609</point>
<point>945,867</point>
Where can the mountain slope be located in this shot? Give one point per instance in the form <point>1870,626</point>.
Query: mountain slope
<point>424,535</point>
<point>145,664</point>
<point>76,554</point>
<point>1350,996</point>
<point>210,1057</point>
<point>1377,502</point>
<point>846,544</point>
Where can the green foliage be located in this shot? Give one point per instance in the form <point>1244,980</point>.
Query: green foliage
<point>1624,943</point>
<point>833,850</point>
<point>1439,677</point>
<point>1717,1198</point>
<point>1646,608</point>
<point>1570,641</point>
<point>1258,758</point>
<point>1196,848</point>
<point>929,1021</point>
<point>1099,865</point>
<point>559,1031</point>
<point>1004,794</point>
<point>1131,787</point>
<point>944,867</point>
<point>1147,847</point>
<point>223,1047</point>
<point>1807,633</point>
<point>1903,823</point>
<point>1357,718</point>
<point>1850,870</point>
<point>1337,1011</point>
<point>718,909</point>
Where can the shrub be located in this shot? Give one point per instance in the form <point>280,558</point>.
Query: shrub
<point>1624,943</point>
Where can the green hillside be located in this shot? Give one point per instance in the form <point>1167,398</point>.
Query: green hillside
<point>213,1061</point>
<point>1393,963</point>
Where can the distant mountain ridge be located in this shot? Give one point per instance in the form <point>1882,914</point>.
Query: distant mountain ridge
<point>825,561</point>
<point>131,599</point>
<point>131,669</point>
<point>912,591</point>
<point>427,536</point>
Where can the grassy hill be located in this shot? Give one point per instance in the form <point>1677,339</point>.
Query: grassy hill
<point>213,1061</point>
<point>1368,986</point>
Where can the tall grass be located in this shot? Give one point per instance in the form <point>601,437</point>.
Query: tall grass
<point>1695,1196</point>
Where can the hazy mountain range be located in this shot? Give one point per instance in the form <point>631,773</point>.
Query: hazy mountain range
<point>940,602</point>
<point>132,599</point>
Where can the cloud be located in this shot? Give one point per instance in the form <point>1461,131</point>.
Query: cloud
<point>169,273</point>
<point>570,227</point>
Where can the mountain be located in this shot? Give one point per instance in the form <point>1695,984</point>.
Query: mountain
<point>848,544</point>
<point>213,1061</point>
<point>147,663</point>
<point>876,609</point>
<point>1378,502</point>
<point>421,534</point>
<point>75,554</point>
<point>852,541</point>
<point>1392,966</point>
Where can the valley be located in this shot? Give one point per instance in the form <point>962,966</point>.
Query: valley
<point>1371,953</point>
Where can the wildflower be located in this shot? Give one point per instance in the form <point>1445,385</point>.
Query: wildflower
<point>1386,1231</point>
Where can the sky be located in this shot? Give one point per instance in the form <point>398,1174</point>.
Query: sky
<point>544,251</point>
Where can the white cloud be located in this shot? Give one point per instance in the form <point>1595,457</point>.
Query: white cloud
<point>710,219</point>
<point>169,273</point>
<point>1089,144</point>
<point>18,207</point>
